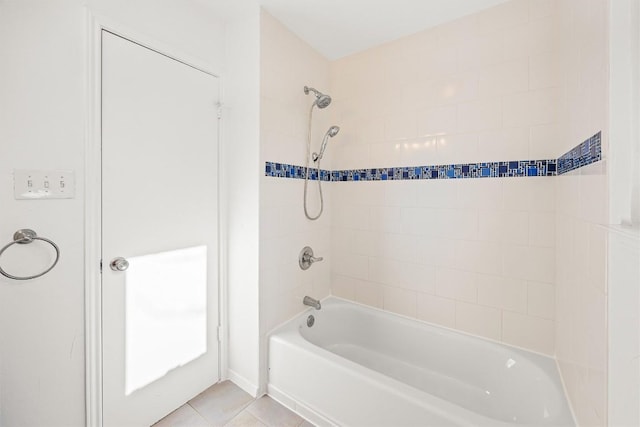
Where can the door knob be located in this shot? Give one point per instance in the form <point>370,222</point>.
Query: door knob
<point>119,264</point>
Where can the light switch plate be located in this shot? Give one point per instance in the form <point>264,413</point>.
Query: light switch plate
<point>43,184</point>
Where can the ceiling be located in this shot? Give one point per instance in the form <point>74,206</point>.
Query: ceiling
<point>338,28</point>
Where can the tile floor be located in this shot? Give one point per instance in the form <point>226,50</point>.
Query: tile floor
<point>226,404</point>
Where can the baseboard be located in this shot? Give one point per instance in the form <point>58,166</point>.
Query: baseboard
<point>242,382</point>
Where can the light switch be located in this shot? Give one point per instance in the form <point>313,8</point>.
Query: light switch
<point>41,184</point>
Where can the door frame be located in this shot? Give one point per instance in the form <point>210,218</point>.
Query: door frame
<point>93,206</point>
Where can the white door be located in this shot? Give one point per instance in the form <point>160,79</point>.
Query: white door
<point>160,215</point>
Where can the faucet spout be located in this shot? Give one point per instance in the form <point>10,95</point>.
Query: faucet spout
<point>312,302</point>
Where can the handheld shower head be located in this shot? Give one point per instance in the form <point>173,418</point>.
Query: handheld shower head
<point>333,131</point>
<point>322,100</point>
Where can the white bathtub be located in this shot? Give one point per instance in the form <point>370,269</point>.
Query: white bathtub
<point>358,366</point>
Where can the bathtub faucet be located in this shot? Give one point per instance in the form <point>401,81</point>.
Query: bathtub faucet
<point>312,302</point>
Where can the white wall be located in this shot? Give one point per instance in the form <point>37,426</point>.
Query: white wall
<point>623,268</point>
<point>43,126</point>
<point>473,254</point>
<point>582,210</point>
<point>242,175</point>
<point>624,158</point>
<point>185,26</point>
<point>624,328</point>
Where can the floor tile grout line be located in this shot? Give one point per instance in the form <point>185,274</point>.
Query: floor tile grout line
<point>258,417</point>
<point>244,411</point>
<point>201,415</point>
<point>268,424</point>
<point>260,420</point>
<point>243,408</point>
<point>246,406</point>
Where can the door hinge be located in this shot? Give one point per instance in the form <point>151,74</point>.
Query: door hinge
<point>219,110</point>
<point>219,333</point>
<point>100,266</point>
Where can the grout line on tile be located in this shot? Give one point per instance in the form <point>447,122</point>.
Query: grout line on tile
<point>201,415</point>
<point>245,412</point>
<point>244,408</point>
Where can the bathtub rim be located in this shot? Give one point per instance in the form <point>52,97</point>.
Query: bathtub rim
<point>309,311</point>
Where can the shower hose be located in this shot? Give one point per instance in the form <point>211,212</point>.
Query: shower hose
<point>306,174</point>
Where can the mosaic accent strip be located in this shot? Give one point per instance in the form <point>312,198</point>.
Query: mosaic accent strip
<point>457,171</point>
<point>283,170</point>
<point>590,151</point>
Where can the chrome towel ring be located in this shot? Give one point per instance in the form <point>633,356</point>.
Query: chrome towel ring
<point>24,237</point>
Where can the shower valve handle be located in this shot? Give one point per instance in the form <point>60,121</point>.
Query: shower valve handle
<point>306,258</point>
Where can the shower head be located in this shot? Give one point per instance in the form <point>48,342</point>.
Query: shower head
<point>322,100</point>
<point>333,131</point>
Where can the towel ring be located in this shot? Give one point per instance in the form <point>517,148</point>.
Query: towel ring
<point>24,237</point>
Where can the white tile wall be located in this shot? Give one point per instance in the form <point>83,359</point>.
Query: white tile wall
<point>541,300</point>
<point>456,284</point>
<point>472,253</point>
<point>528,331</point>
<point>505,78</point>
<point>498,292</point>
<point>400,301</point>
<point>284,230</point>
<point>438,310</point>
<point>581,243</point>
<point>479,320</point>
<point>504,143</point>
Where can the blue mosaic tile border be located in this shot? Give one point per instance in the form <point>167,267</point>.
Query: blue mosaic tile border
<point>590,151</point>
<point>457,171</point>
<point>283,170</point>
